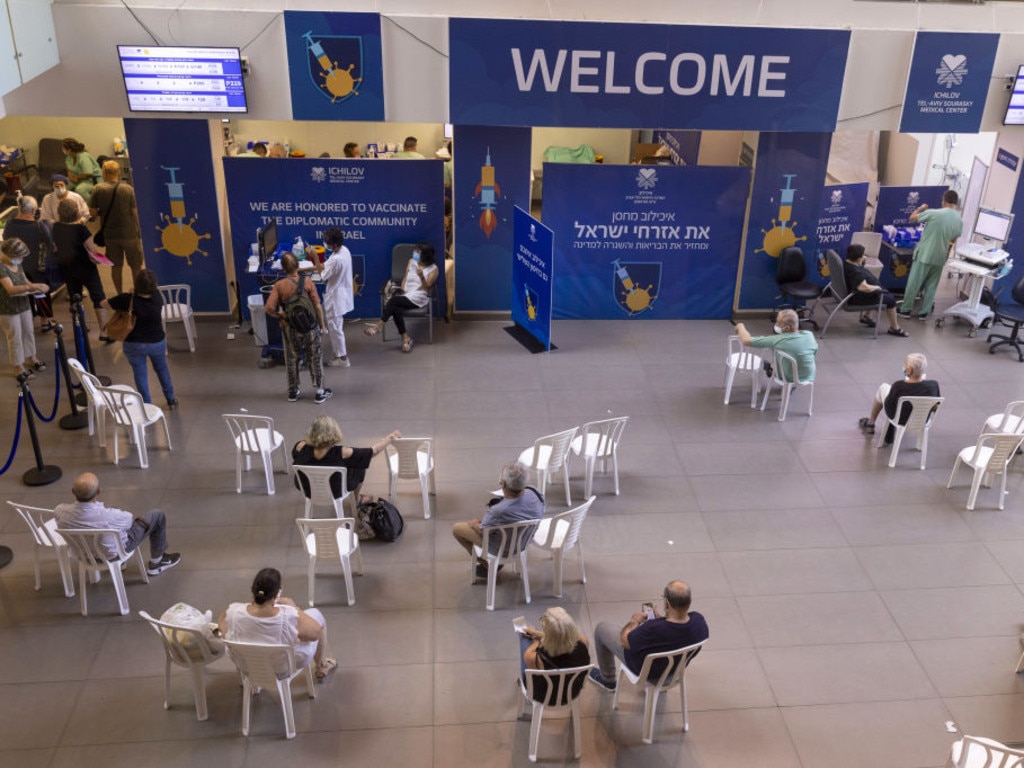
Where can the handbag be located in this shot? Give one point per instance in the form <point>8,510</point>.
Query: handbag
<point>122,323</point>
<point>99,238</point>
<point>390,289</point>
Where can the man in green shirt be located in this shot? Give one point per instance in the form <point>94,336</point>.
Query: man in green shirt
<point>942,226</point>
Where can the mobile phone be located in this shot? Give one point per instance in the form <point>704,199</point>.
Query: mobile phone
<point>519,623</point>
<point>648,608</point>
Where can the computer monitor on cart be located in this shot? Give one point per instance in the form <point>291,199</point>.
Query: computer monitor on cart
<point>993,226</point>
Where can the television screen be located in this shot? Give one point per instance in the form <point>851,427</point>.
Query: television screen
<point>993,224</point>
<point>1015,109</point>
<point>182,78</point>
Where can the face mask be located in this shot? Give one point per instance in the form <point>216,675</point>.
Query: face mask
<point>16,262</point>
<point>415,255</point>
<point>778,329</point>
<point>62,192</point>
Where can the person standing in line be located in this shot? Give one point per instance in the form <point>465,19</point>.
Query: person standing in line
<point>73,243</point>
<point>16,309</point>
<point>942,227</point>
<point>114,201</point>
<point>83,170</point>
<point>36,236</point>
<point>336,272</point>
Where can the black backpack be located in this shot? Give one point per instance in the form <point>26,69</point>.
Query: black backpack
<point>299,310</point>
<point>384,518</point>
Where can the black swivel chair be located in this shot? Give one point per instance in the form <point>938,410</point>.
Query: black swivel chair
<point>792,269</point>
<point>1011,314</point>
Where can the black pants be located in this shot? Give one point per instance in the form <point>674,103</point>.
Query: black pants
<point>394,308</point>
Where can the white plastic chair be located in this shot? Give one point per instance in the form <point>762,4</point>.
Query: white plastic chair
<point>509,545</point>
<point>412,458</point>
<point>559,534</point>
<point>990,456</point>
<point>786,363</point>
<point>43,526</point>
<point>1009,422</point>
<point>318,481</point>
<point>599,440</point>
<point>329,540</point>
<point>563,689</point>
<point>272,667</point>
<point>188,648</point>
<point>96,408</point>
<point>92,547</point>
<point>177,308</point>
<point>133,415</point>
<point>977,752</point>
<point>739,359</point>
<point>255,436</point>
<point>919,423</point>
<point>548,455</point>
<point>673,674</point>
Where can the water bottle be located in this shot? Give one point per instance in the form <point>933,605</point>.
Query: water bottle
<point>299,249</point>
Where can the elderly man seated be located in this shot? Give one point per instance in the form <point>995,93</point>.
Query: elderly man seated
<point>800,345</point>
<point>888,396</point>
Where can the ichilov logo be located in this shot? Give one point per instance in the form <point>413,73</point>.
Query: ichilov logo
<point>951,70</point>
<point>837,196</point>
<point>647,178</point>
<point>318,173</point>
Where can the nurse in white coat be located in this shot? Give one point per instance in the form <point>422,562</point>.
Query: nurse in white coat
<point>336,273</point>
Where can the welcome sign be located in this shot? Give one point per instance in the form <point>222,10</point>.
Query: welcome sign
<point>627,75</point>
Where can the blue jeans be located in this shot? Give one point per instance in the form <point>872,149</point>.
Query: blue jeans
<point>156,351</point>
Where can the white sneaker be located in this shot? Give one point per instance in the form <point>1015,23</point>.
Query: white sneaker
<point>338,362</point>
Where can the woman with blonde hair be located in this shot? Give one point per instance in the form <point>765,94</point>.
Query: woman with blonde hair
<point>558,644</point>
<point>322,448</point>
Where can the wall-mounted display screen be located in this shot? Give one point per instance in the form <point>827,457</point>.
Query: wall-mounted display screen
<point>182,78</point>
<point>1015,109</point>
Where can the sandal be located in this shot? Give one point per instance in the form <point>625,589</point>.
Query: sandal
<point>39,365</point>
<point>371,330</point>
<point>866,426</point>
<point>867,321</point>
<point>898,332</point>
<point>407,345</point>
<point>325,669</point>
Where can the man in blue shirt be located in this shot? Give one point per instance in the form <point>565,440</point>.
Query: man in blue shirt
<point>644,635</point>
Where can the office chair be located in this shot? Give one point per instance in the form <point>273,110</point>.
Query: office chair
<point>792,269</point>
<point>1011,314</point>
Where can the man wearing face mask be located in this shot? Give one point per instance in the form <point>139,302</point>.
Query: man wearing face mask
<point>336,272</point>
<point>801,345</point>
<point>888,396</point>
<point>48,208</point>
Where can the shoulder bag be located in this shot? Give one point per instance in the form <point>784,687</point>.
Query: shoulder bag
<point>99,237</point>
<point>122,323</point>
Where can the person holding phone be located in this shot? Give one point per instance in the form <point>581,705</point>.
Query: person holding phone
<point>558,644</point>
<point>677,628</point>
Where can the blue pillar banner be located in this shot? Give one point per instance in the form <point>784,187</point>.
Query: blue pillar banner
<point>640,242</point>
<point>532,262</point>
<point>683,146</point>
<point>335,65</point>
<point>842,214</point>
<point>948,82</point>
<point>895,204</point>
<point>376,204</point>
<point>172,167</point>
<point>1014,245</point>
<point>789,177</point>
<point>492,177</point>
<point>616,75</point>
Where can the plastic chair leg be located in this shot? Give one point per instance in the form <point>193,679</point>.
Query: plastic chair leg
<point>730,374</point>
<point>975,485</point>
<point>312,581</point>
<point>492,581</point>
<point>538,716</point>
<point>246,705</point>
<point>557,563</point>
<point>583,570</point>
<point>426,498</point>
<point>682,697</point>
<point>346,567</point>
<point>118,578</point>
<point>284,690</point>
<point>82,600</point>
<point>199,692</point>
<point>650,705</point>
<point>526,576</point>
<point>268,472</point>
<point>577,735</point>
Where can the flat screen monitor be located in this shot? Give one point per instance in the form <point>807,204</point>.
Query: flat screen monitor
<point>268,240</point>
<point>1015,108</point>
<point>993,224</point>
<point>161,78</point>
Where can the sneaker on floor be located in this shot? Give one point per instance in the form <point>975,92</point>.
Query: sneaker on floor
<point>322,396</point>
<point>168,560</point>
<point>901,313</point>
<point>293,395</point>
<point>338,362</point>
<point>600,682</point>
<point>923,317</point>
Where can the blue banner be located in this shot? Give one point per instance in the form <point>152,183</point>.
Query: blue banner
<point>492,177</point>
<point>532,276</point>
<point>658,242</point>
<point>172,165</point>
<point>683,146</point>
<point>784,207</point>
<point>376,204</point>
<point>842,214</point>
<point>334,65</point>
<point>948,82</point>
<point>895,204</point>
<point>1010,160</point>
<point>611,75</point>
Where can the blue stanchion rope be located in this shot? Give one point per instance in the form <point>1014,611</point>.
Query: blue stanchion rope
<point>56,393</point>
<point>17,434</point>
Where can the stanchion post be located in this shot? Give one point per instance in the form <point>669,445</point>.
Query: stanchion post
<point>78,310</point>
<point>76,419</point>
<point>41,474</point>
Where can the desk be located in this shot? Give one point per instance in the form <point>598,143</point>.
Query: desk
<point>971,310</point>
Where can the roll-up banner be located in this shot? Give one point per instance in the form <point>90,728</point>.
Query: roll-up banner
<point>375,203</point>
<point>532,252</point>
<point>172,167</point>
<point>644,241</point>
<point>335,65</point>
<point>788,181</point>
<point>842,214</point>
<point>615,75</point>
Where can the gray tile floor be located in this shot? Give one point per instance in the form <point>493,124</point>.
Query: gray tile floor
<point>853,608</point>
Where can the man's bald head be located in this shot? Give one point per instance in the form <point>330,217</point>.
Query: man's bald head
<point>677,595</point>
<point>86,486</point>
